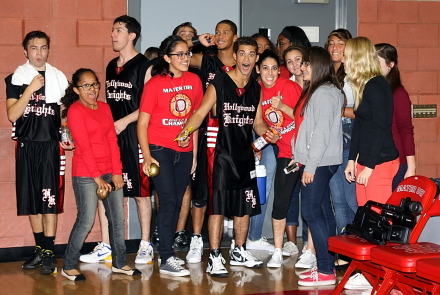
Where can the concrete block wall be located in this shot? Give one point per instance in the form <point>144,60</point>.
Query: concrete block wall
<point>413,28</point>
<point>80,37</point>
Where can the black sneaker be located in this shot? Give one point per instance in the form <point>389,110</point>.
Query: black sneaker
<point>48,264</point>
<point>155,238</point>
<point>181,240</point>
<point>35,260</point>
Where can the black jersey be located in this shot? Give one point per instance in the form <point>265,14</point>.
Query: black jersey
<point>211,67</point>
<point>124,85</point>
<point>40,121</point>
<point>234,165</point>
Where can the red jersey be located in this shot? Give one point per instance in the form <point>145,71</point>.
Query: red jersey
<point>284,72</point>
<point>290,92</point>
<point>170,102</point>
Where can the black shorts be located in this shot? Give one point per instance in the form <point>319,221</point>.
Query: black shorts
<point>39,173</point>
<point>136,182</point>
<point>238,202</point>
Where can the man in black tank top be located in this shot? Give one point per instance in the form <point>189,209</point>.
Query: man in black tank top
<point>235,99</point>
<point>125,79</point>
<point>33,106</point>
<point>210,66</point>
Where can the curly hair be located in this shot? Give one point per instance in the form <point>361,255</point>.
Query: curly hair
<point>71,97</point>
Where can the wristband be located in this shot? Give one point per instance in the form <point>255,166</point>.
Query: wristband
<point>195,41</point>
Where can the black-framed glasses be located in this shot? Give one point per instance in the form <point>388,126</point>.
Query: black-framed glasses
<point>180,55</point>
<point>305,63</point>
<point>87,87</point>
<point>279,45</point>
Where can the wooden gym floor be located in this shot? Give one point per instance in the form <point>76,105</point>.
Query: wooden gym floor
<point>100,280</point>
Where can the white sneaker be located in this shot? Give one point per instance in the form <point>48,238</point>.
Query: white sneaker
<point>231,223</point>
<point>307,260</point>
<point>145,254</point>
<point>277,258</point>
<point>195,250</point>
<point>180,261</point>
<point>304,248</point>
<point>216,263</point>
<point>225,222</point>
<point>232,247</point>
<point>261,244</point>
<point>358,282</point>
<point>241,257</point>
<point>101,253</point>
<point>289,248</point>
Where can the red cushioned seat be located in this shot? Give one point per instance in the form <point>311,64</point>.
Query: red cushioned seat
<point>418,188</point>
<point>404,257</point>
<point>429,269</point>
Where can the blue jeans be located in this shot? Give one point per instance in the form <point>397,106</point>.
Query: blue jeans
<point>170,184</point>
<point>317,211</point>
<point>399,176</point>
<point>269,160</point>
<point>343,195</point>
<point>87,202</point>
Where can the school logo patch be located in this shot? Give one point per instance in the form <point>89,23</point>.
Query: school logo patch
<point>180,105</point>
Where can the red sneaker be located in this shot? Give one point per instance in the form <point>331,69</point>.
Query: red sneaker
<point>318,279</point>
<point>307,274</point>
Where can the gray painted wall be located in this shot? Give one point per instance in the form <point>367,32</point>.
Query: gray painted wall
<point>276,14</point>
<point>159,18</point>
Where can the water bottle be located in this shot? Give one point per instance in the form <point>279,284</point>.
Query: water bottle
<point>261,180</point>
<point>65,134</point>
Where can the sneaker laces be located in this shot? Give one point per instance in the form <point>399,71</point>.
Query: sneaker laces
<point>263,239</point>
<point>218,262</point>
<point>143,249</point>
<point>314,274</point>
<point>172,261</point>
<point>195,245</point>
<point>97,247</point>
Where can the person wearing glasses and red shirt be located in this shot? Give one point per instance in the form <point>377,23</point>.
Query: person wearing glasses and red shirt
<point>169,99</point>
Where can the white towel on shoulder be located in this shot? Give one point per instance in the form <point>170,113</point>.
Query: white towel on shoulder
<point>54,80</point>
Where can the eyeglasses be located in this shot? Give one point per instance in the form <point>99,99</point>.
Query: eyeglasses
<point>305,64</point>
<point>87,87</point>
<point>181,55</point>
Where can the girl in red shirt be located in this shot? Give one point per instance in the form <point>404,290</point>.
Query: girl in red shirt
<point>96,161</point>
<point>280,95</point>
<point>169,99</point>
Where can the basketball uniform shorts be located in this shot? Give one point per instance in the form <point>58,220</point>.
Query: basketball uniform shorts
<point>239,202</point>
<point>136,183</point>
<point>39,172</point>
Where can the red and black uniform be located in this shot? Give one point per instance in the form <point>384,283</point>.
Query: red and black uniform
<point>211,67</point>
<point>235,191</point>
<point>40,161</point>
<point>124,87</point>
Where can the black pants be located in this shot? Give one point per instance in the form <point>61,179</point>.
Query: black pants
<point>284,185</point>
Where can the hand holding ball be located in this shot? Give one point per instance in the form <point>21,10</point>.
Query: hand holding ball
<point>154,170</point>
<point>103,194</point>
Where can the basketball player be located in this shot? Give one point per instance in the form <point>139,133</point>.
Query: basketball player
<point>33,106</point>
<point>235,100</point>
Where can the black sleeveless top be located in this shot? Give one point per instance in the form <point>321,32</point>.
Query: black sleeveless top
<point>124,89</point>
<point>40,121</point>
<point>234,165</point>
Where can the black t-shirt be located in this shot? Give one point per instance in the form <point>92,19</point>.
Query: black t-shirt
<point>234,165</point>
<point>40,121</point>
<point>124,89</point>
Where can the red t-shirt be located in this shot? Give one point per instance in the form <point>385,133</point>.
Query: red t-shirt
<point>170,102</point>
<point>96,145</point>
<point>284,72</point>
<point>290,92</point>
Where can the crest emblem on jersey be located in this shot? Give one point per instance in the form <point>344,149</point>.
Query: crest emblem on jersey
<point>180,105</point>
<point>275,117</point>
<point>240,91</point>
<point>227,68</point>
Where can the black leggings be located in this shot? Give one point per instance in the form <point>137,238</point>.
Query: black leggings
<point>283,188</point>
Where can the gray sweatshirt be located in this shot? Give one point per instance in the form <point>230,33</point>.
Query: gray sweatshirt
<point>319,140</point>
